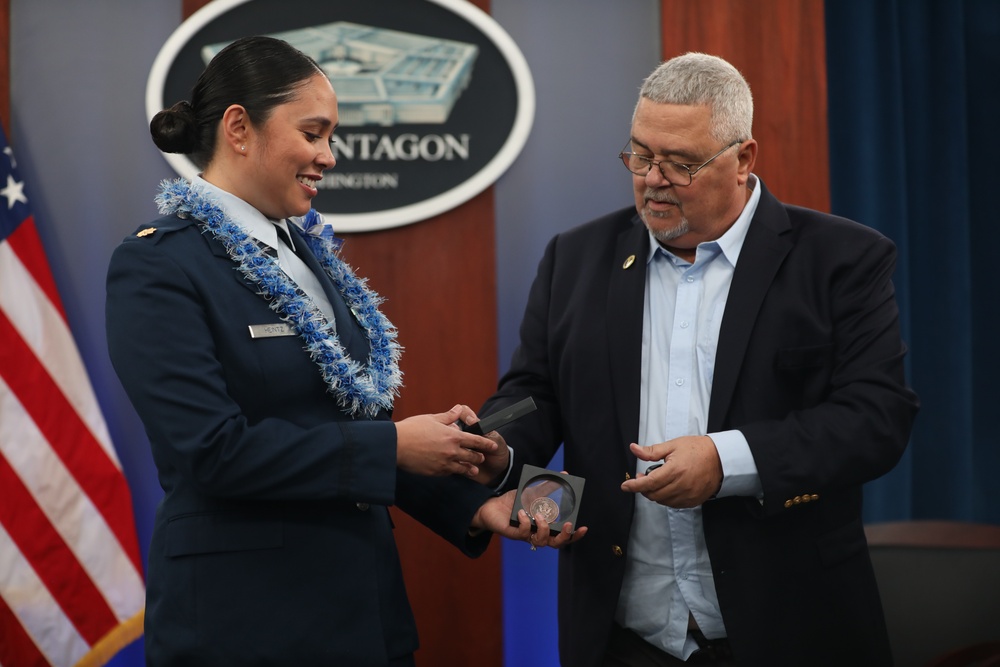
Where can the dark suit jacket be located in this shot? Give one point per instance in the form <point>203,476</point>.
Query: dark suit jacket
<point>809,367</point>
<point>273,543</point>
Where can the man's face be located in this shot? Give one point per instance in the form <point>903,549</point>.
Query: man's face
<point>682,216</point>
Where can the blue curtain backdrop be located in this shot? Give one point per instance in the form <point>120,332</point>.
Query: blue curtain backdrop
<point>914,94</point>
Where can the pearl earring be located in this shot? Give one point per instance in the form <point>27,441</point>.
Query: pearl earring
<point>243,148</point>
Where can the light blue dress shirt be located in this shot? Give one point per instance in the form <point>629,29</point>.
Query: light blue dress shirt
<point>262,228</point>
<point>668,574</point>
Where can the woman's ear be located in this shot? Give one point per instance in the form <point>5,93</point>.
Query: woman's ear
<point>235,129</point>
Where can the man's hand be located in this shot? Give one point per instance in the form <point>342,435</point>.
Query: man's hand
<point>691,472</point>
<point>495,462</point>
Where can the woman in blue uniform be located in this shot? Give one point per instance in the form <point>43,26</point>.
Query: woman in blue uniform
<point>264,374</point>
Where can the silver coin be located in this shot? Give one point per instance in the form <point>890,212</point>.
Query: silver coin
<point>546,507</point>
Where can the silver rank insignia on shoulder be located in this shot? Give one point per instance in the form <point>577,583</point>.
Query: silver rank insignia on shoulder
<point>145,232</point>
<point>270,330</point>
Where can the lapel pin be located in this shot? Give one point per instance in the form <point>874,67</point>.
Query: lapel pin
<point>145,232</point>
<point>629,261</point>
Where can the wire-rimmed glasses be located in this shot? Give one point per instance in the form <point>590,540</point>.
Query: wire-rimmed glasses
<point>676,173</point>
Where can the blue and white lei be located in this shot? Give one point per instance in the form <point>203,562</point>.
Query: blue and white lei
<point>358,391</point>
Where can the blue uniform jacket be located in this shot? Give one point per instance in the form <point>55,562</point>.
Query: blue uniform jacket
<point>273,542</point>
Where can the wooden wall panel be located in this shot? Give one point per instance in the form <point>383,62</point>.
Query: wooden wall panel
<point>780,47</point>
<point>439,280</point>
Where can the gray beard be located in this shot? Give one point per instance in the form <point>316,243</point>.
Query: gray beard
<point>666,235</point>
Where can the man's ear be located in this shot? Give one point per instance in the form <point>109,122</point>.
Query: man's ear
<point>747,157</point>
<point>235,129</point>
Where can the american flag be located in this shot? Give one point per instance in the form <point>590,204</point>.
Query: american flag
<point>71,584</point>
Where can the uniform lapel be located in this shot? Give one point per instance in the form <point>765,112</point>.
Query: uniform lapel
<point>348,331</point>
<point>762,254</point>
<point>626,296</point>
<point>355,343</point>
<point>219,250</point>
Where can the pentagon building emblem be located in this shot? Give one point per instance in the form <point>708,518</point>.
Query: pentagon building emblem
<point>435,99</point>
<point>384,77</point>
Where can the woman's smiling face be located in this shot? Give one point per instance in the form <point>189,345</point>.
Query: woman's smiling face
<point>290,151</point>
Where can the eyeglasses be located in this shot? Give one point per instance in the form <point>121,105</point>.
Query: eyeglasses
<point>676,173</point>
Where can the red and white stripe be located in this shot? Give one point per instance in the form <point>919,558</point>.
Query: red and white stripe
<point>71,584</point>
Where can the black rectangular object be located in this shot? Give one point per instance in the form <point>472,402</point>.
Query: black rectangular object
<point>501,417</point>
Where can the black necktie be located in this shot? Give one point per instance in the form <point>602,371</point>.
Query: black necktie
<point>285,238</point>
<point>350,333</point>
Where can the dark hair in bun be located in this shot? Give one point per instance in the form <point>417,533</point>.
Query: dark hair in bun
<point>258,73</point>
<point>175,130</point>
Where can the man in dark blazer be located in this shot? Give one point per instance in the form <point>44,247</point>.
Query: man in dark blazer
<point>752,350</point>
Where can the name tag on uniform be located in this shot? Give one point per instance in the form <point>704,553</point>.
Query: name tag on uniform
<point>270,330</point>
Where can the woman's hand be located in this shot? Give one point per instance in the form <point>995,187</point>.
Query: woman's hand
<point>434,445</point>
<point>494,515</point>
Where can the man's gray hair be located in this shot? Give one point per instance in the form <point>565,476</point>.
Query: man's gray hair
<point>700,79</point>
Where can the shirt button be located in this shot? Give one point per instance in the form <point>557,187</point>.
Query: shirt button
<point>616,550</point>
<point>690,279</point>
<point>679,382</point>
<point>362,506</point>
<point>684,325</point>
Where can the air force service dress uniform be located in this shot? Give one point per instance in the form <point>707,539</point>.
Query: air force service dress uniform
<point>273,542</point>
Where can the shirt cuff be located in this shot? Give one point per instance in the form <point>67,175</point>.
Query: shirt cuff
<point>739,470</point>
<point>510,465</point>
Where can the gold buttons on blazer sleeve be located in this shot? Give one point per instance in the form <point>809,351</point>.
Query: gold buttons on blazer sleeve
<point>804,498</point>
